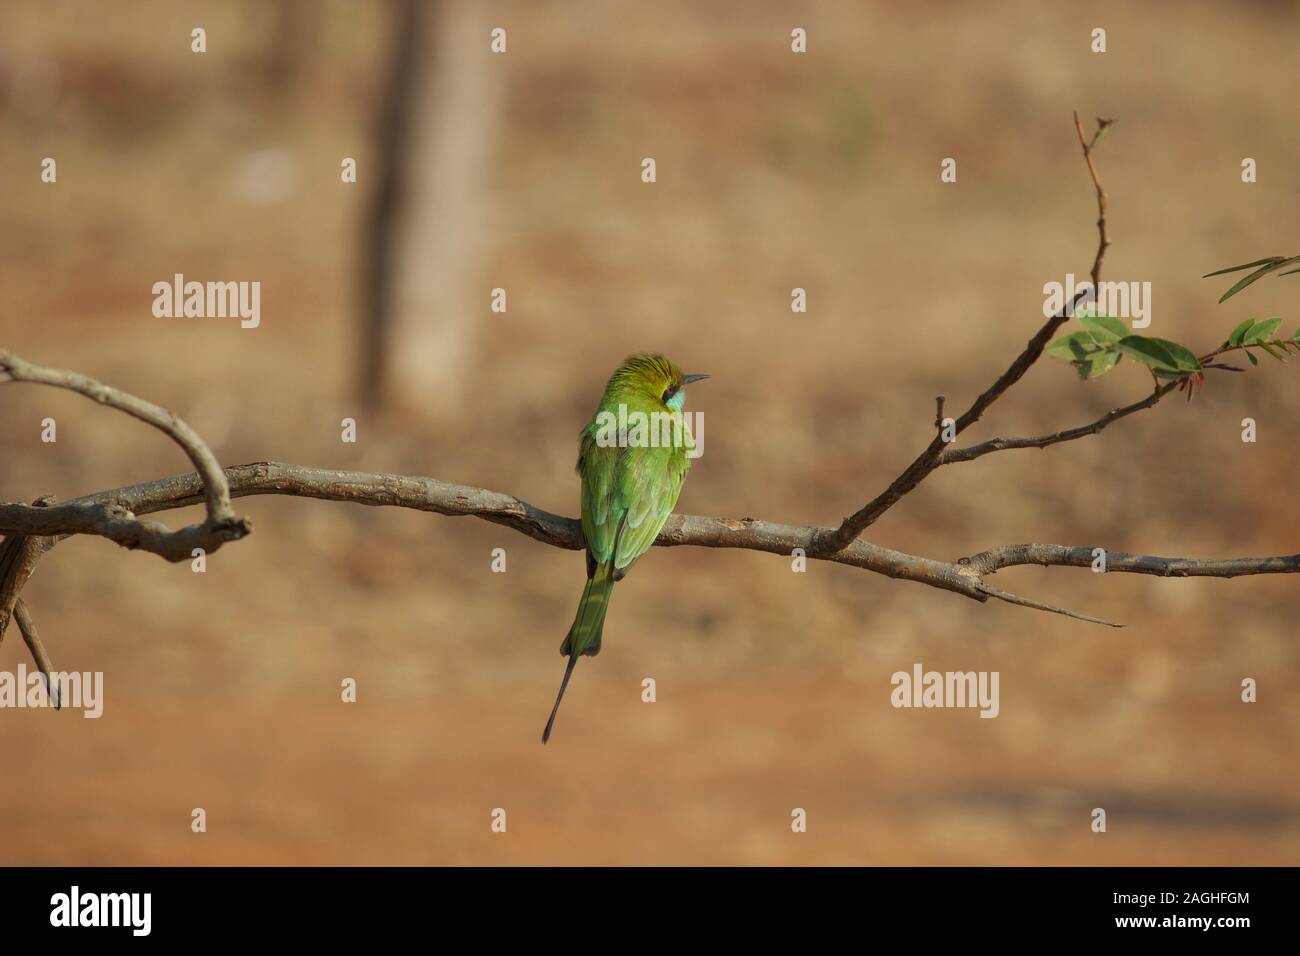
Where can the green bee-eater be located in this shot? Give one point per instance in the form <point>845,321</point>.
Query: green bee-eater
<point>632,459</point>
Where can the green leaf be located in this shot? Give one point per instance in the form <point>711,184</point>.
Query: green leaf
<point>1234,338</point>
<point>1098,363</point>
<point>1242,283</point>
<point>1150,352</point>
<point>1271,265</point>
<point>1074,346</point>
<point>1104,328</point>
<point>1247,265</point>
<point>1272,351</point>
<point>1250,355</point>
<point>1261,332</point>
<point>1185,360</point>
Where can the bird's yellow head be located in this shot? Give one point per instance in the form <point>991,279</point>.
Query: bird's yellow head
<point>653,376</point>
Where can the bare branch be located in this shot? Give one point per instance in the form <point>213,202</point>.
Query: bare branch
<point>1041,606</point>
<point>971,452</point>
<point>86,516</point>
<point>221,525</point>
<point>401,491</point>
<point>1061,555</point>
<point>964,577</point>
<point>929,459</point>
<point>1103,240</point>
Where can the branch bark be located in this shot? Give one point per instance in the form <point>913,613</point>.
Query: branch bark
<point>1061,555</point>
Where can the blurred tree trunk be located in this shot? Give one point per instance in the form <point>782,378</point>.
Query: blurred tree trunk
<point>423,235</point>
<point>293,34</point>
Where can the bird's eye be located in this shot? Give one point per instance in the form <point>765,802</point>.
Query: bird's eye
<point>669,392</point>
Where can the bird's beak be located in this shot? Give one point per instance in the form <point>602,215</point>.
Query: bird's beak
<point>687,379</point>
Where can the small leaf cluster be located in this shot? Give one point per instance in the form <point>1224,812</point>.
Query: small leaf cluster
<point>1252,333</point>
<point>1105,340</point>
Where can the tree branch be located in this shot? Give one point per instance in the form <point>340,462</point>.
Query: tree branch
<point>222,524</point>
<point>930,459</point>
<point>1061,555</point>
<point>18,556</point>
<point>1103,240</point>
<point>91,515</point>
<point>964,577</point>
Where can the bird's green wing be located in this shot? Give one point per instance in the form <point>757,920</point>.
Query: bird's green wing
<point>632,488</point>
<point>648,482</point>
<point>597,466</point>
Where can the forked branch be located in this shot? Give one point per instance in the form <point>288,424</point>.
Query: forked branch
<point>937,454</point>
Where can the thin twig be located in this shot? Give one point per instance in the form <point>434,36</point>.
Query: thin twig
<point>33,641</point>
<point>971,452</point>
<point>1103,242</point>
<point>1042,606</point>
<point>1061,555</point>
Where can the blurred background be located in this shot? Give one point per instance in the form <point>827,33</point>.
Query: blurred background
<point>521,171</point>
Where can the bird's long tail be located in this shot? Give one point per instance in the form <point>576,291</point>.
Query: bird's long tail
<point>584,637</point>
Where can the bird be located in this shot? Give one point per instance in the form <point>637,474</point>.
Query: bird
<point>632,459</point>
